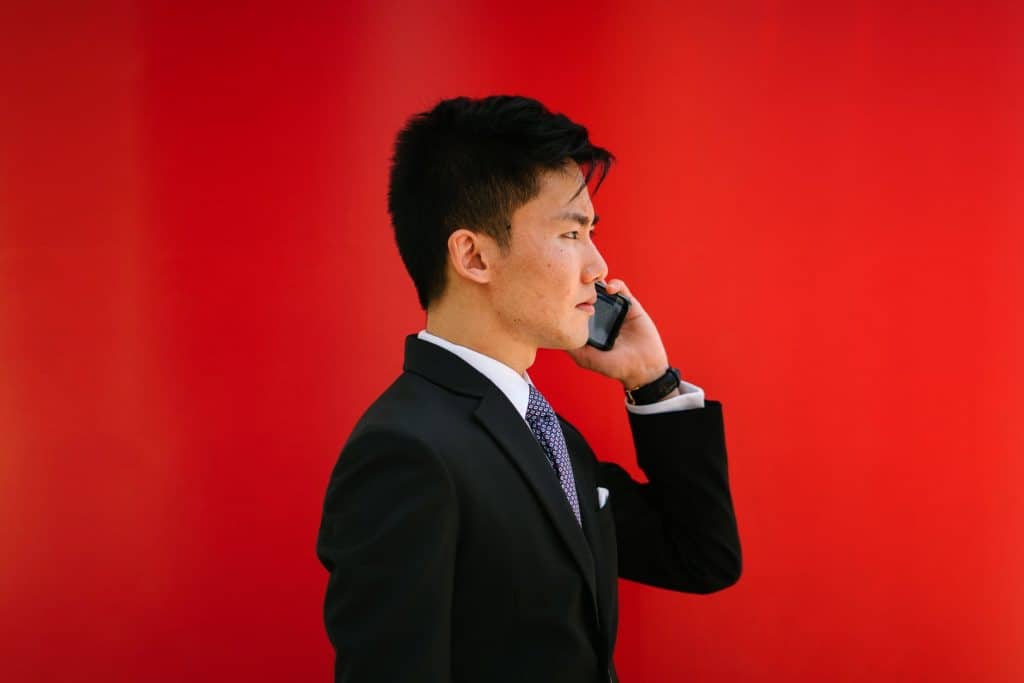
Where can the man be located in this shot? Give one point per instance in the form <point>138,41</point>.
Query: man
<point>470,533</point>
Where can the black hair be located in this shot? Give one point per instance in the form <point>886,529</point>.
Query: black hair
<point>471,163</point>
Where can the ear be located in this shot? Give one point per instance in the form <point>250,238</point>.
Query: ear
<point>471,254</point>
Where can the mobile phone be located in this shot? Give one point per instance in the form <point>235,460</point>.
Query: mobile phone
<point>609,313</point>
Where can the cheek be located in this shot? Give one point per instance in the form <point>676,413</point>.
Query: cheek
<point>545,279</point>
<point>553,277</point>
<point>563,270</point>
<point>557,294</point>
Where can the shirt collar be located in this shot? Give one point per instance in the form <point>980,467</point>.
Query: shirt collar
<point>515,386</point>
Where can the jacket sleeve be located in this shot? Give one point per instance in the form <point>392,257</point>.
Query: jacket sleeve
<point>678,531</point>
<point>387,537</point>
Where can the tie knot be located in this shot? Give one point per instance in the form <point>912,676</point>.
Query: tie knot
<point>537,408</point>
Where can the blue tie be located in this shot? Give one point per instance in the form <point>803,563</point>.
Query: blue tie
<point>544,425</point>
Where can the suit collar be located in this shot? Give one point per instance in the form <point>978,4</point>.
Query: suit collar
<point>514,385</point>
<point>444,368</point>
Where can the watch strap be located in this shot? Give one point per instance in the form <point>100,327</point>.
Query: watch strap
<point>652,392</point>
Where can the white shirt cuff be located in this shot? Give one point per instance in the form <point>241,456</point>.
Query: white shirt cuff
<point>690,396</point>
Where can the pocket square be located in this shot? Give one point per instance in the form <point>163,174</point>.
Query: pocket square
<point>602,496</point>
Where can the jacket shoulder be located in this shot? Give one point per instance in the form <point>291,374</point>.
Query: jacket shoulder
<point>414,408</point>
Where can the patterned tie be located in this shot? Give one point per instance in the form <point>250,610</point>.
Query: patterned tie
<point>544,425</point>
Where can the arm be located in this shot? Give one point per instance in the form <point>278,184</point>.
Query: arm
<point>678,531</point>
<point>387,538</point>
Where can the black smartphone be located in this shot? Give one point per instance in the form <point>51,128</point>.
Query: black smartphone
<point>609,312</point>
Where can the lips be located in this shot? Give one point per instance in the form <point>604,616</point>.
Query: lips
<point>587,305</point>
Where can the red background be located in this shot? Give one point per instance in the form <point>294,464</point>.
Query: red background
<point>199,294</point>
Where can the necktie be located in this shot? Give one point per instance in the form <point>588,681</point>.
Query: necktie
<point>544,425</point>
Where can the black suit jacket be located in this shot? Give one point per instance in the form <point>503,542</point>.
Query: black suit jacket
<point>453,553</point>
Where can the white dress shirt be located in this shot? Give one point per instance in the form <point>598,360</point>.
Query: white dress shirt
<point>516,387</point>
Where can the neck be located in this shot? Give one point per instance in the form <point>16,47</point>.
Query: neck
<point>465,326</point>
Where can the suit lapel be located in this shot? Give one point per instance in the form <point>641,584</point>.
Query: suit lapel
<point>499,417</point>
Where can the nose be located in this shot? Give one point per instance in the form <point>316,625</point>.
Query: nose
<point>596,268</point>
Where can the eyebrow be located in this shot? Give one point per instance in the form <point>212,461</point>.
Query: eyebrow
<point>579,218</point>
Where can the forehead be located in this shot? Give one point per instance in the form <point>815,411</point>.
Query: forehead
<point>562,189</point>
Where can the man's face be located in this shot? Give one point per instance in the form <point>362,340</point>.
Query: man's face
<point>551,266</point>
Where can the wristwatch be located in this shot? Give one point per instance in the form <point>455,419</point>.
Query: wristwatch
<point>652,392</point>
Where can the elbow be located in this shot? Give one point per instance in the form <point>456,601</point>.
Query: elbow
<point>722,575</point>
<point>731,568</point>
<point>728,567</point>
<point>725,579</point>
<point>713,584</point>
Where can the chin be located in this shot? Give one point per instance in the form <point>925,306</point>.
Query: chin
<point>579,339</point>
<point>570,335</point>
<point>567,341</point>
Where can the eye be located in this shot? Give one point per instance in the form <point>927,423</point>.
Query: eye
<point>576,234</point>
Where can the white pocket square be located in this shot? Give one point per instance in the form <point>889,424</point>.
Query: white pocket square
<point>602,496</point>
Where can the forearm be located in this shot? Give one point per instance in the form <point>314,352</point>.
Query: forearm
<point>680,529</point>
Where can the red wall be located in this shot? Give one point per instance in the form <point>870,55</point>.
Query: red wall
<point>199,294</point>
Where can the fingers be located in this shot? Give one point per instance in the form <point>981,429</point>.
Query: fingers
<point>617,286</point>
